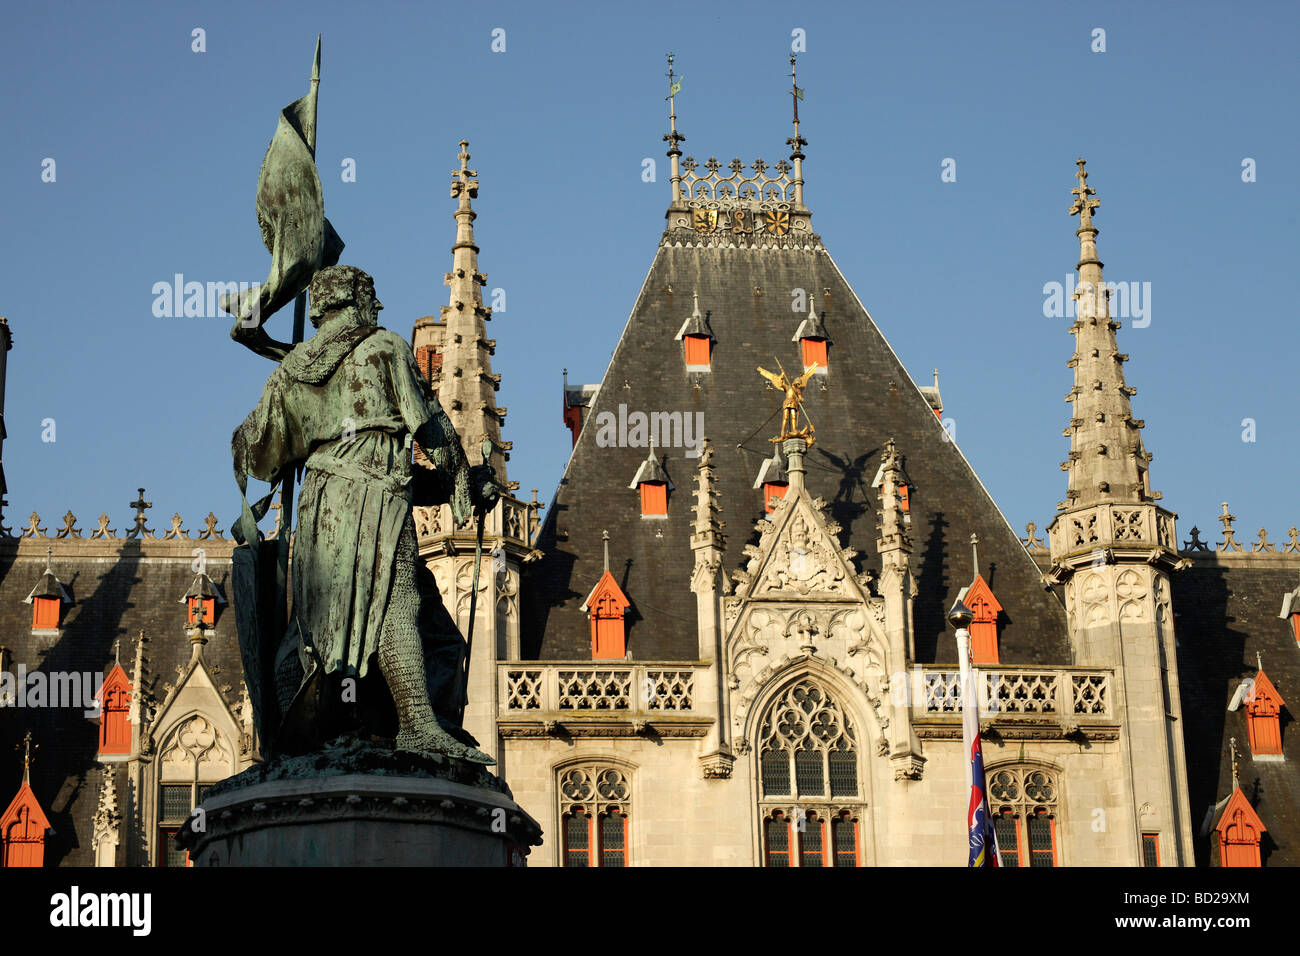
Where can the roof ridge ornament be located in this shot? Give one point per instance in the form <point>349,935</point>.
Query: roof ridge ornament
<point>672,137</point>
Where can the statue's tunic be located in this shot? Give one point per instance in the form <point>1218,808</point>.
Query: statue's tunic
<point>348,402</point>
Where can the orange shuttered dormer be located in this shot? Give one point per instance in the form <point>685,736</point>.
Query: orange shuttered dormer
<point>774,481</point>
<point>814,344</point>
<point>984,628</point>
<point>697,340</point>
<point>1240,830</point>
<point>47,600</point>
<point>1263,709</point>
<point>115,706</point>
<point>606,606</point>
<point>652,482</point>
<point>23,829</point>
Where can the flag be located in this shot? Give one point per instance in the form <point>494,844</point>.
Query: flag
<point>674,89</point>
<point>290,213</point>
<point>798,93</point>
<point>979,822</point>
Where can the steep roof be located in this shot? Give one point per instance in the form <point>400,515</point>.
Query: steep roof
<point>868,397</point>
<point>1225,612</point>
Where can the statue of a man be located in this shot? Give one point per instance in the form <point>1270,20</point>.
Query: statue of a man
<point>346,405</point>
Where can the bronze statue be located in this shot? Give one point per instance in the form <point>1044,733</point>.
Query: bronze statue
<point>346,405</point>
<point>792,403</point>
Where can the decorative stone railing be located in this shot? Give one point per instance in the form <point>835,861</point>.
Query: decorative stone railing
<point>562,689</point>
<point>1067,694</point>
<point>1117,525</point>
<point>738,186</point>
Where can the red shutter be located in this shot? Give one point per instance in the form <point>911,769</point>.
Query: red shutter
<point>771,491</point>
<point>45,614</point>
<point>698,349</point>
<point>606,605</point>
<point>814,350</point>
<point>1263,710</point>
<point>209,610</point>
<point>654,498</point>
<point>22,829</point>
<point>114,725</point>
<point>984,628</point>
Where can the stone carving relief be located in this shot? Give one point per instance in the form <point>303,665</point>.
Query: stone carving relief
<point>197,744</point>
<point>801,562</point>
<point>1132,593</point>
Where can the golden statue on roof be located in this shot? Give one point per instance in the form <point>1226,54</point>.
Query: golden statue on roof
<point>792,404</point>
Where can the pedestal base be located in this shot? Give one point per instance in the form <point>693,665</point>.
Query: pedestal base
<point>357,805</point>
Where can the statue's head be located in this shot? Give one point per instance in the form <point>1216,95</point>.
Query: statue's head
<point>340,287</point>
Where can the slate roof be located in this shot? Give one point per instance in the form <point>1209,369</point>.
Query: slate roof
<point>868,398</point>
<point>1225,610</point>
<point>117,587</point>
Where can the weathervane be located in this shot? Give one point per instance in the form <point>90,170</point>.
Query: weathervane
<point>792,404</point>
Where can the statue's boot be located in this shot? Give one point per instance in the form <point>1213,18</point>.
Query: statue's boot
<point>433,739</point>
<point>401,660</point>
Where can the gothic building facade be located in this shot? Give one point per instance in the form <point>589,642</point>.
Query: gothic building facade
<point>715,648</point>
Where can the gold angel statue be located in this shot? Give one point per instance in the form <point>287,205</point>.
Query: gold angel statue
<point>792,404</point>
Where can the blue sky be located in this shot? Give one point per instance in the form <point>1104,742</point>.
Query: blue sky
<point>157,148</point>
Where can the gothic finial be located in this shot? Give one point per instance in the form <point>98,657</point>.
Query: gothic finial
<point>1084,203</point>
<point>140,506</point>
<point>27,748</point>
<point>1229,542</point>
<point>1259,660</point>
<point>464,185</point>
<point>975,555</point>
<point>1232,745</point>
<point>604,537</point>
<point>117,652</point>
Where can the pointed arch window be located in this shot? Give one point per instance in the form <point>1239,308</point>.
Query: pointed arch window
<point>595,805</point>
<point>809,789</point>
<point>1024,802</point>
<point>1263,711</point>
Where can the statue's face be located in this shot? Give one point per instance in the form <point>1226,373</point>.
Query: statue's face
<point>368,304</point>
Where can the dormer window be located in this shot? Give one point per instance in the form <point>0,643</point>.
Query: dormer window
<point>774,481</point>
<point>47,600</point>
<point>1263,710</point>
<point>652,481</point>
<point>697,340</point>
<point>814,344</point>
<point>201,602</point>
<point>984,628</point>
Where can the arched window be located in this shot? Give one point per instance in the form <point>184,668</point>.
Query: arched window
<point>808,772</point>
<point>1024,804</point>
<point>594,805</point>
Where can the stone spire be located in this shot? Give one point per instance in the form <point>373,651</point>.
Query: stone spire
<point>707,533</point>
<point>453,351</point>
<point>894,543</point>
<point>1107,462</point>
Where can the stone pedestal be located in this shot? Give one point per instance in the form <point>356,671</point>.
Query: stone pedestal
<point>399,810</point>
